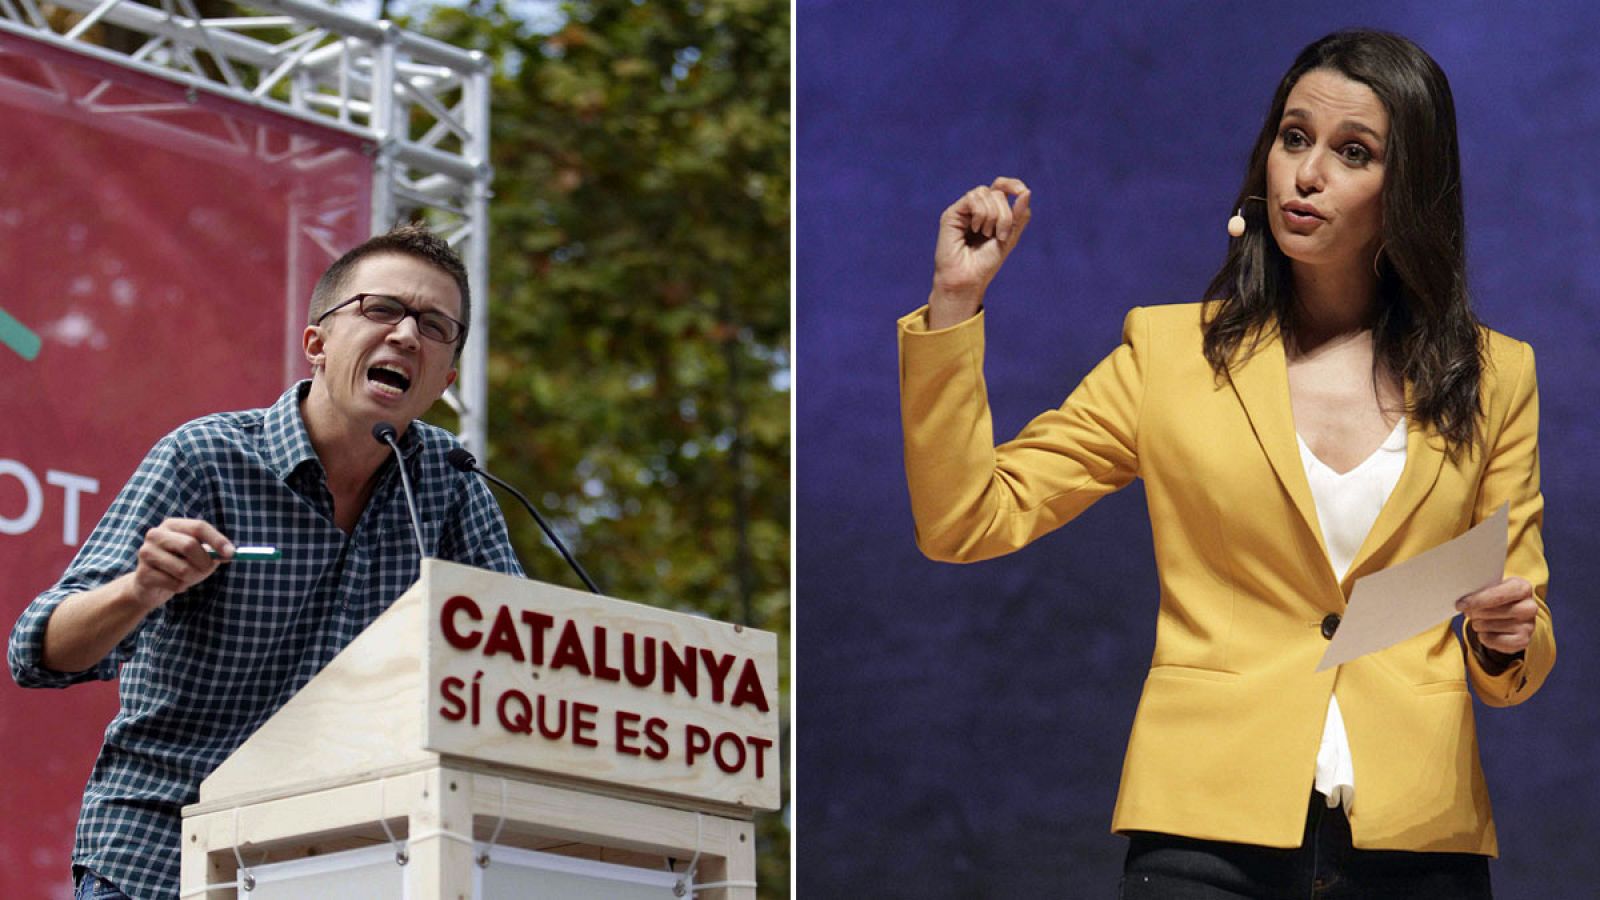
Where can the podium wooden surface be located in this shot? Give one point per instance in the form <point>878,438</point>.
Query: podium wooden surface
<point>419,725</point>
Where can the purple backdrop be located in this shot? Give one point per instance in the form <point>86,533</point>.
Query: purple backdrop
<point>961,729</point>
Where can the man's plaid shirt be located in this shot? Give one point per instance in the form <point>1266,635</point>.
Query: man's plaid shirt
<point>203,672</point>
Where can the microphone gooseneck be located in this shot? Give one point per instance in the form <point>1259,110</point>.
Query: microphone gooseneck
<point>464,461</point>
<point>385,433</point>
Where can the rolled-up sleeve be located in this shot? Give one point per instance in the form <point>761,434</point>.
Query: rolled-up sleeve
<point>162,486</point>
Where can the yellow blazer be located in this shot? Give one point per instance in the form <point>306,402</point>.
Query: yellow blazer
<point>1225,739</point>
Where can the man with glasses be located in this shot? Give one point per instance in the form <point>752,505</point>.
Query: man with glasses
<point>208,648</point>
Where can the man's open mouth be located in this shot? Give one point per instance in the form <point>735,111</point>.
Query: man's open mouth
<point>389,379</point>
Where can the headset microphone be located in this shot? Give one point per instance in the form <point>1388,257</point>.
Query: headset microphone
<point>1236,224</point>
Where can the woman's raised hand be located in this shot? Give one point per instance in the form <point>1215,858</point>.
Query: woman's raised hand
<point>976,234</point>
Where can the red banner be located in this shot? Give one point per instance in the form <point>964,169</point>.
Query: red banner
<point>157,250</point>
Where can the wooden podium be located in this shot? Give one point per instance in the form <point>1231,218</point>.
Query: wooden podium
<point>484,712</point>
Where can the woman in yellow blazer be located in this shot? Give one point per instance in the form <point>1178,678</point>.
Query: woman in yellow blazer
<point>1339,313</point>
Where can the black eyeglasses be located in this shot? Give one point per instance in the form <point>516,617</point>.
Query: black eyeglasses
<point>384,310</point>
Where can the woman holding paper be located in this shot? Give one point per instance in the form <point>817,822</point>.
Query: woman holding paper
<point>1333,408</point>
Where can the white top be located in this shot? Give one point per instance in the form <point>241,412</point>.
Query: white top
<point>1347,505</point>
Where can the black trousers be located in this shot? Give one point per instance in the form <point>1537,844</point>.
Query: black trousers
<point>1324,867</point>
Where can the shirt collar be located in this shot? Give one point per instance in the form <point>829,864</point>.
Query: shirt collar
<point>288,445</point>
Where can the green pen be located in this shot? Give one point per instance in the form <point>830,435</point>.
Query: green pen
<point>247,554</point>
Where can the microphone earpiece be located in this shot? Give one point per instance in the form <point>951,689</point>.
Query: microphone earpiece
<point>1236,223</point>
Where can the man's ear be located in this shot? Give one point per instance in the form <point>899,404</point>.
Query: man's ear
<point>451,378</point>
<point>311,341</point>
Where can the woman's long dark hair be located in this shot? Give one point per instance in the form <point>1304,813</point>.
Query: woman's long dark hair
<point>1424,330</point>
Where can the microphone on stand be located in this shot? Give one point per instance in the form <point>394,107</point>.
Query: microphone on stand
<point>465,462</point>
<point>384,433</point>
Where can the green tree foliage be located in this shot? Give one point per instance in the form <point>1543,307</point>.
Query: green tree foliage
<point>639,291</point>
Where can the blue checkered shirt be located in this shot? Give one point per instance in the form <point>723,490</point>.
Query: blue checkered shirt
<point>203,672</point>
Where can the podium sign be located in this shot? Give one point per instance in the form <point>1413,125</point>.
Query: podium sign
<point>480,707</point>
<point>477,667</point>
<point>576,684</point>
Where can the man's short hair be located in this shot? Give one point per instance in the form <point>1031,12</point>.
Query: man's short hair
<point>413,240</point>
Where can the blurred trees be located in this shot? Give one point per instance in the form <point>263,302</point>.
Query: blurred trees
<point>639,300</point>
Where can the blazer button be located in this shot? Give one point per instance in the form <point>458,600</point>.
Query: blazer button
<point>1330,624</point>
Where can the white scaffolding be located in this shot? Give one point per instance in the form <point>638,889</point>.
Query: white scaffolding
<point>420,106</point>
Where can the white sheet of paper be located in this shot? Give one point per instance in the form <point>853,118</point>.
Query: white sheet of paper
<point>1407,599</point>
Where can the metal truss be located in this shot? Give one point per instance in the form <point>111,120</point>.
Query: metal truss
<point>421,106</point>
